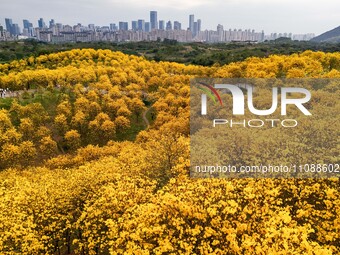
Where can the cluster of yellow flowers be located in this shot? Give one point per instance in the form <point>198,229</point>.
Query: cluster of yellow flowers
<point>104,207</point>
<point>135,197</point>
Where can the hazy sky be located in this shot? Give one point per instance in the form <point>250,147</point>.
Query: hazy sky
<point>296,16</point>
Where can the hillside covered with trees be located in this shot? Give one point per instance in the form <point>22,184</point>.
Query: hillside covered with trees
<point>170,50</point>
<point>332,36</point>
<point>82,172</point>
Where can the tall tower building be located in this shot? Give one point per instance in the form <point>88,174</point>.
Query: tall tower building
<point>134,25</point>
<point>219,28</point>
<point>177,25</point>
<point>161,25</point>
<point>141,25</point>
<point>9,25</point>
<point>191,22</point>
<point>147,27</point>
<point>2,34</point>
<point>194,33</point>
<point>26,23</point>
<point>28,28</point>
<point>15,29</point>
<point>41,23</point>
<point>113,27</point>
<point>199,25</point>
<point>52,23</point>
<point>220,32</point>
<point>169,25</point>
<point>92,27</point>
<point>123,26</point>
<point>153,20</point>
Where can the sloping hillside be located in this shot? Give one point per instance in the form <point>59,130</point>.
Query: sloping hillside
<point>332,36</point>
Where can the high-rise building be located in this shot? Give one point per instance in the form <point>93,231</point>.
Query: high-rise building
<point>52,23</point>
<point>67,28</point>
<point>92,27</point>
<point>220,32</point>
<point>191,22</point>
<point>161,25</point>
<point>177,25</point>
<point>26,23</point>
<point>113,27</point>
<point>147,27</point>
<point>9,25</point>
<point>134,25</point>
<point>123,26</point>
<point>15,29</point>
<point>141,25</point>
<point>28,28</point>
<point>194,32</point>
<point>199,26</point>
<point>103,29</point>
<point>153,20</point>
<point>219,28</point>
<point>262,36</point>
<point>2,34</point>
<point>41,23</point>
<point>169,25</point>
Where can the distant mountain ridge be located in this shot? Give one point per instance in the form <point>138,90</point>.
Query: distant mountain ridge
<point>332,36</point>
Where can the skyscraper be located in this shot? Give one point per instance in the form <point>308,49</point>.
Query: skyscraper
<point>9,25</point>
<point>153,20</point>
<point>141,25</point>
<point>191,22</point>
<point>28,28</point>
<point>92,27</point>
<point>147,27</point>
<point>177,25</point>
<point>113,27</point>
<point>26,23</point>
<point>220,32</point>
<point>52,23</point>
<point>161,25</point>
<point>169,25</point>
<point>123,26</point>
<point>199,25</point>
<point>194,33</point>
<point>219,28</point>
<point>15,29</point>
<point>2,34</point>
<point>41,23</point>
<point>134,25</point>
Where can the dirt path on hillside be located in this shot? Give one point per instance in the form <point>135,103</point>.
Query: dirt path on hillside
<point>146,121</point>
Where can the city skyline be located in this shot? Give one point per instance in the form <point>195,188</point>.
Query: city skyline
<point>14,28</point>
<point>139,30</point>
<point>271,16</point>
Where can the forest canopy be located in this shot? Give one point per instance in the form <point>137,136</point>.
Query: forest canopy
<point>83,172</point>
